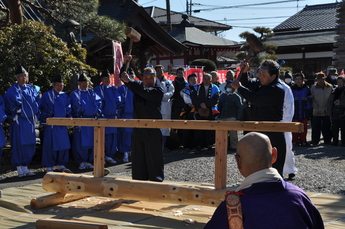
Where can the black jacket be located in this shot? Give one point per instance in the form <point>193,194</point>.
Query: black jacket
<point>146,101</point>
<point>266,101</point>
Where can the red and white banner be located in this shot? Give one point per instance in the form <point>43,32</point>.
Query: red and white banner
<point>199,72</point>
<point>118,62</point>
<point>222,75</point>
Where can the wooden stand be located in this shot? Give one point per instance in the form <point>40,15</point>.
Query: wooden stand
<point>82,185</point>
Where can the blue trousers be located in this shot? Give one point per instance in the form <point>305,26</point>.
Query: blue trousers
<point>124,140</point>
<point>81,153</point>
<point>110,144</point>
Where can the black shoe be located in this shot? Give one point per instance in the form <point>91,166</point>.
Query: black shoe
<point>291,177</point>
<point>305,144</point>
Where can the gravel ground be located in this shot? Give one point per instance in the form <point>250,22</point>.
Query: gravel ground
<point>321,169</point>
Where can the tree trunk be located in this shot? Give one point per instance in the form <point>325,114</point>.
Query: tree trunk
<point>16,13</point>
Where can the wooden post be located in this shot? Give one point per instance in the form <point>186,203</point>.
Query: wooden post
<point>98,147</point>
<point>221,159</point>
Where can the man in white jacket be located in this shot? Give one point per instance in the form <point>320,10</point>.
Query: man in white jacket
<point>288,112</point>
<point>168,89</point>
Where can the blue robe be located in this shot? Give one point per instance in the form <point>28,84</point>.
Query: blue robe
<point>125,111</point>
<point>21,106</point>
<point>85,104</point>
<point>271,205</point>
<point>56,143</point>
<point>3,116</point>
<point>109,111</point>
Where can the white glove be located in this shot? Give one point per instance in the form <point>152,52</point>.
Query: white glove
<point>20,110</point>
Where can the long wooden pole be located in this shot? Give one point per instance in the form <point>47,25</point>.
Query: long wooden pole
<point>120,188</point>
<point>181,124</point>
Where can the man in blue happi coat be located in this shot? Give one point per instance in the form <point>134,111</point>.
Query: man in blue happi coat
<point>263,200</point>
<point>107,93</point>
<point>125,111</point>
<point>205,99</point>
<point>21,103</point>
<point>85,104</point>
<point>56,143</point>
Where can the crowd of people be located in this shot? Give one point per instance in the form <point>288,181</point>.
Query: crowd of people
<point>249,98</point>
<point>25,107</point>
<point>262,158</point>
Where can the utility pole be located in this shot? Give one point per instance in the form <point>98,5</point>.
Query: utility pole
<point>168,16</point>
<point>189,7</point>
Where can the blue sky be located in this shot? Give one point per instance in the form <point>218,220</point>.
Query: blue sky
<point>242,18</point>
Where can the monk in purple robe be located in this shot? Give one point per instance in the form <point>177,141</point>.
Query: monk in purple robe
<point>267,201</point>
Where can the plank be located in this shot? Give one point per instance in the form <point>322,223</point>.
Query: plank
<point>181,124</point>
<point>67,224</point>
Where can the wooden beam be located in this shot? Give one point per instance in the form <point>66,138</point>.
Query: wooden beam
<point>180,124</point>
<point>53,199</point>
<point>221,159</point>
<point>120,188</point>
<point>67,224</point>
<point>98,151</point>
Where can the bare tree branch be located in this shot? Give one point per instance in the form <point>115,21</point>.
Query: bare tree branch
<point>41,9</point>
<point>7,11</point>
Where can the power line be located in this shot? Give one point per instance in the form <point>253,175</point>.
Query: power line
<point>238,6</point>
<point>258,18</point>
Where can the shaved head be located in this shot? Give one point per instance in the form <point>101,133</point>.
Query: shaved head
<point>255,153</point>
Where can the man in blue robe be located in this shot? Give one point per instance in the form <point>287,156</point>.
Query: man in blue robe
<point>56,143</point>
<point>147,155</point>
<point>267,201</point>
<point>107,93</point>
<point>3,117</point>
<point>125,111</point>
<point>21,103</point>
<point>85,104</point>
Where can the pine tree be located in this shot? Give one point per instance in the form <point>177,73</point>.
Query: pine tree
<point>56,12</point>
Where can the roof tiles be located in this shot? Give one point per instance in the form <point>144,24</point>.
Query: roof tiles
<point>311,18</point>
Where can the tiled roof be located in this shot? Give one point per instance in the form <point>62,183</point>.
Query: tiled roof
<point>116,9</point>
<point>306,38</point>
<point>194,35</point>
<point>160,16</point>
<point>311,18</point>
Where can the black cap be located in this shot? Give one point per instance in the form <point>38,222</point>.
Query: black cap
<point>83,78</point>
<point>58,79</point>
<point>288,74</point>
<point>20,70</point>
<point>105,73</point>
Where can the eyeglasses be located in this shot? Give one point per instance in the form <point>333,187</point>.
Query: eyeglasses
<point>237,155</point>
